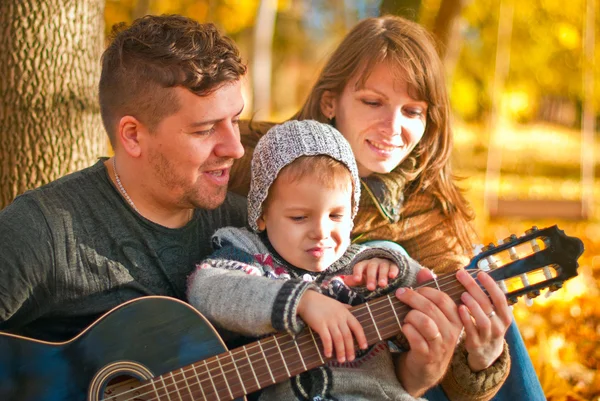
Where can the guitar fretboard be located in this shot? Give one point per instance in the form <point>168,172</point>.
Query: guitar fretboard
<point>277,358</point>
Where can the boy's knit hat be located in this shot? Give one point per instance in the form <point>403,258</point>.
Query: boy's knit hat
<point>286,142</point>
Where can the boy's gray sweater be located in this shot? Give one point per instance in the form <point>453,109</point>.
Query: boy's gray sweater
<point>245,288</point>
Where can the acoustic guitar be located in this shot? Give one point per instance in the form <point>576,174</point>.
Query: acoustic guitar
<point>158,348</point>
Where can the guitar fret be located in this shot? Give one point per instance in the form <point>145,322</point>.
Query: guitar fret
<point>238,373</point>
<point>251,367</point>
<point>316,345</point>
<point>266,361</point>
<point>282,358</point>
<point>199,382</point>
<point>166,388</point>
<point>155,389</point>
<point>300,354</point>
<point>176,387</point>
<point>211,379</point>
<point>395,314</point>
<point>374,323</point>
<point>224,377</point>
<point>187,385</point>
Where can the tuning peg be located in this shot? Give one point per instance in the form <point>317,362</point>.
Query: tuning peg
<point>488,247</point>
<point>512,300</point>
<point>477,249</point>
<point>555,287</point>
<point>513,237</point>
<point>532,230</point>
<point>533,294</point>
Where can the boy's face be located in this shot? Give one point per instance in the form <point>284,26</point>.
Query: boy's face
<point>307,223</point>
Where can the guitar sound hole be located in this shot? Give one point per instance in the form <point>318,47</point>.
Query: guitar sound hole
<point>121,381</point>
<point>123,388</point>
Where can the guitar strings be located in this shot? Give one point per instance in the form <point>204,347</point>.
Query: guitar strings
<point>380,329</point>
<point>263,351</point>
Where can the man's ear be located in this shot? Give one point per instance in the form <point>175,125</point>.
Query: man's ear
<point>328,104</point>
<point>129,133</point>
<point>261,224</point>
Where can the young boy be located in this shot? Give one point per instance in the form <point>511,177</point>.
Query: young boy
<point>304,194</point>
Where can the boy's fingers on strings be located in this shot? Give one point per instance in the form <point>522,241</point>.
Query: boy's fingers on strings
<point>348,351</point>
<point>339,343</point>
<point>323,332</point>
<point>358,331</point>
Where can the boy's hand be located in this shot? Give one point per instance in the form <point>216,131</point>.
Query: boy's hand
<point>372,272</point>
<point>334,323</point>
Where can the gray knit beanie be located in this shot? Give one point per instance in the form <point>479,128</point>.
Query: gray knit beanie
<point>286,142</point>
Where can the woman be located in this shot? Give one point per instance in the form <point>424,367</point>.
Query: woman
<point>383,89</point>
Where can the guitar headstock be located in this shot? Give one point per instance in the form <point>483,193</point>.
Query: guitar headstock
<point>527,264</point>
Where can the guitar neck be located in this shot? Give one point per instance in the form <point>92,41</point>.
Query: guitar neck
<point>277,358</point>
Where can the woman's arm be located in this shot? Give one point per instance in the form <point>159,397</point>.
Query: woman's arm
<point>423,230</point>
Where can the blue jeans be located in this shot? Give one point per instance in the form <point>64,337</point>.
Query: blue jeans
<point>522,382</point>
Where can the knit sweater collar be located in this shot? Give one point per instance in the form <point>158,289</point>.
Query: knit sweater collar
<point>339,264</point>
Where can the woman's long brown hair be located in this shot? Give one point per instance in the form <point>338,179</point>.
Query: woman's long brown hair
<point>410,51</point>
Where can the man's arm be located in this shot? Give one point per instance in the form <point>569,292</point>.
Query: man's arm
<point>26,263</point>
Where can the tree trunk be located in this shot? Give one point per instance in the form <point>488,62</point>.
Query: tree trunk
<point>446,28</point>
<point>262,64</point>
<point>50,123</point>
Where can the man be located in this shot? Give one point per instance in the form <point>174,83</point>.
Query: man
<point>132,225</point>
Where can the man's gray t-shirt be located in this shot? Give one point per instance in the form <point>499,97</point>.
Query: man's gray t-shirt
<point>73,249</point>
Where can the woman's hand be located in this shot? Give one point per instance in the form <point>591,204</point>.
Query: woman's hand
<point>371,272</point>
<point>485,319</point>
<point>432,329</point>
<point>334,323</point>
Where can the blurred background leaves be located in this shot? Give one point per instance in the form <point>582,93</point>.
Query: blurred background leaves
<point>523,79</point>
<point>537,112</point>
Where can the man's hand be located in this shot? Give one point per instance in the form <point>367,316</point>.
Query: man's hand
<point>334,323</point>
<point>432,328</point>
<point>372,272</point>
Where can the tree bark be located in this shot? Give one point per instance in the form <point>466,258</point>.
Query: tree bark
<point>446,29</point>
<point>50,122</point>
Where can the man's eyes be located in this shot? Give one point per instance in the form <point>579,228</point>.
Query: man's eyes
<point>205,132</point>
<point>212,129</point>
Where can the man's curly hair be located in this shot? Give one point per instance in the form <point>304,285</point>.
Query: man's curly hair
<point>156,53</point>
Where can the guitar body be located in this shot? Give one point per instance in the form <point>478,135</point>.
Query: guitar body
<point>141,339</point>
<point>150,340</point>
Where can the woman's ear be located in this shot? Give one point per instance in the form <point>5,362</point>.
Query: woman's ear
<point>261,224</point>
<point>328,103</point>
